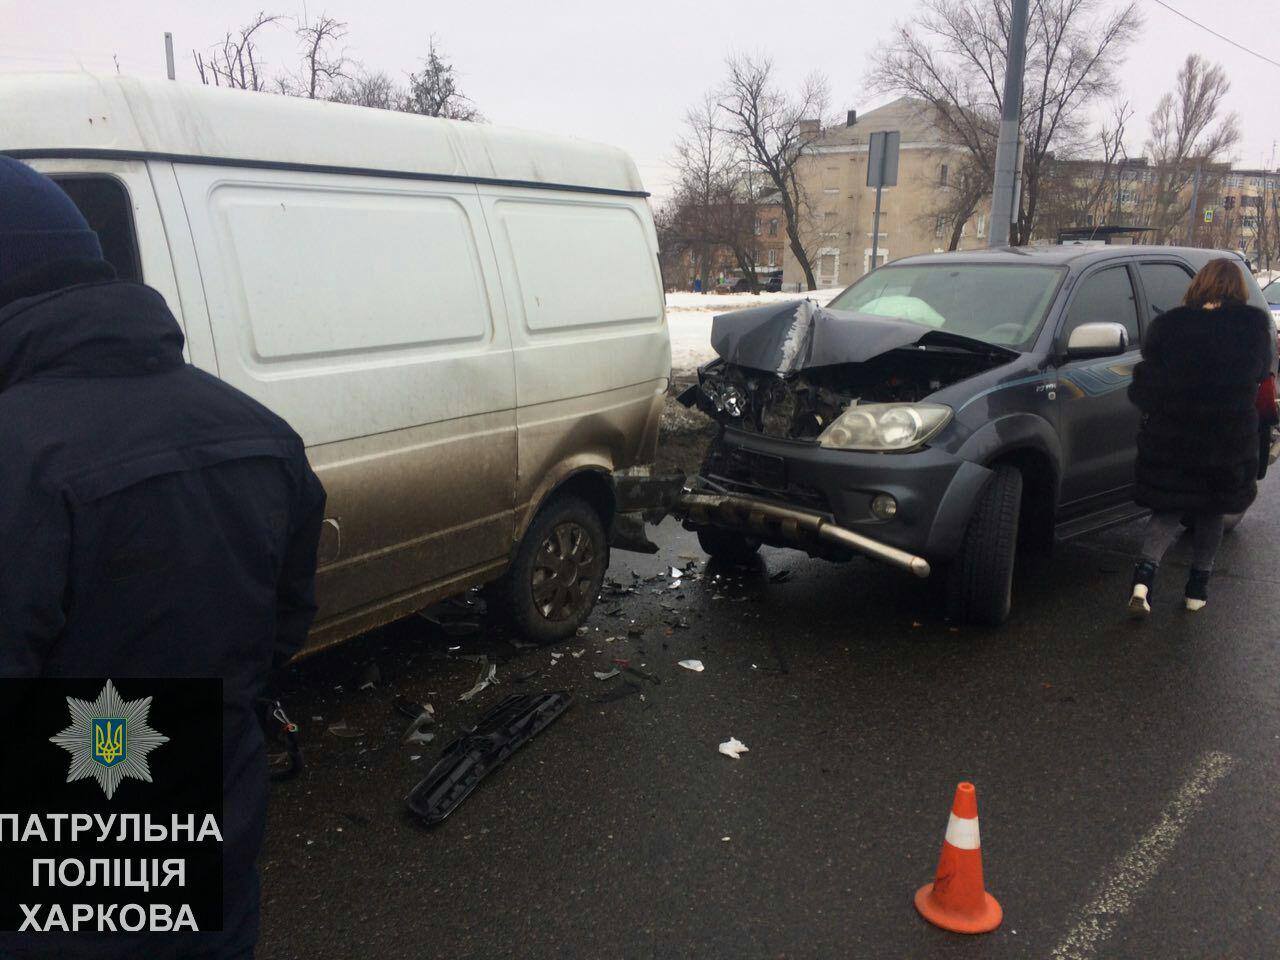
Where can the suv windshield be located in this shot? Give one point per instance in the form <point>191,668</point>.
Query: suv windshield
<point>998,304</point>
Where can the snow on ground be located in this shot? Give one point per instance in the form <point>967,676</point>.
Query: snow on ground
<point>689,318</point>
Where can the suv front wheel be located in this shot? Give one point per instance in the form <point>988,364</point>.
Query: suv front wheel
<point>980,579</point>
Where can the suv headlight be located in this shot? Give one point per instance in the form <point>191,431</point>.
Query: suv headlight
<point>885,427</point>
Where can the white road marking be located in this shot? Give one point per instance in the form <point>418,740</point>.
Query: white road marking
<point>1135,869</point>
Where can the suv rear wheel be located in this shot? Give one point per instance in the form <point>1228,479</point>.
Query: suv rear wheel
<point>980,580</point>
<point>554,580</point>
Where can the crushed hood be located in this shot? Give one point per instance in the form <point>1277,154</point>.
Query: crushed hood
<point>784,338</point>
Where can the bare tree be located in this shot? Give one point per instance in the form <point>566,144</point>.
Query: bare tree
<point>1266,231</point>
<point>772,129</point>
<point>1086,192</point>
<point>433,90</point>
<point>235,61</point>
<point>326,72</point>
<point>365,89</point>
<point>325,65</point>
<point>952,55</point>
<point>704,164</point>
<point>1189,142</point>
<point>967,187</point>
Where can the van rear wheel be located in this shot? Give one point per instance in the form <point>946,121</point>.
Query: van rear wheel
<point>558,569</point>
<point>980,580</point>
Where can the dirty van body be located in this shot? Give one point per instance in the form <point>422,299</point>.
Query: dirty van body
<point>465,323</point>
<point>939,413</point>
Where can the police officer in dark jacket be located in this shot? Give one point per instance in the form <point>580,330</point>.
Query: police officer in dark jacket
<point>154,521</point>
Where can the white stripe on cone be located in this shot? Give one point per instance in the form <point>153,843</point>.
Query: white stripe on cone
<point>962,833</point>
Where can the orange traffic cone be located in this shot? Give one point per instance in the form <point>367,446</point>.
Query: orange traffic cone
<point>957,900</point>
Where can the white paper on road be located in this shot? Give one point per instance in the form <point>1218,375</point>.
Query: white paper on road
<point>733,747</point>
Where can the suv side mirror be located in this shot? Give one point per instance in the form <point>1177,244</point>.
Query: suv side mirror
<point>1097,340</point>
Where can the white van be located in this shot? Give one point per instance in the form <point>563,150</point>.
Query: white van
<point>465,323</point>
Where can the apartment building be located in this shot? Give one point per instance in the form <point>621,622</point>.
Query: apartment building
<point>841,207</point>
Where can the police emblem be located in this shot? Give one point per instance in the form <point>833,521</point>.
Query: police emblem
<point>109,739</point>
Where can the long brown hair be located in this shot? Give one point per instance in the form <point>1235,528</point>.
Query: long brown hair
<point>1218,281</point>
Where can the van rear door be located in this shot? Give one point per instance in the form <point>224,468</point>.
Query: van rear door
<point>592,350</point>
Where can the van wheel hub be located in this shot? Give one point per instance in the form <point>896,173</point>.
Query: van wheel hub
<point>563,572</point>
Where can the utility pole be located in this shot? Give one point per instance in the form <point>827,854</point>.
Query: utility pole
<point>1191,213</point>
<point>168,55</point>
<point>1006,178</point>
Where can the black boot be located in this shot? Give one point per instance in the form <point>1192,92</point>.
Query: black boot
<point>1197,593</point>
<point>1144,578</point>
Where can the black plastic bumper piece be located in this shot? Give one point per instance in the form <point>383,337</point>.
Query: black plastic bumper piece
<point>474,755</point>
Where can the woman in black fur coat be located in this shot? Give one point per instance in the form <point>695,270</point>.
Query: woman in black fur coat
<point>1198,444</point>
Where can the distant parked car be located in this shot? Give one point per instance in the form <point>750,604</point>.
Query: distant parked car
<point>1272,292</point>
<point>772,283</point>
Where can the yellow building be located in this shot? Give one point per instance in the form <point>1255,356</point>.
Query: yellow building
<point>839,207</point>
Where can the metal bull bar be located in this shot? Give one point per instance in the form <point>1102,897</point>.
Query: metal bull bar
<point>747,513</point>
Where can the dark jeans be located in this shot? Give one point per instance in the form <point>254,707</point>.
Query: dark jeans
<point>1164,528</point>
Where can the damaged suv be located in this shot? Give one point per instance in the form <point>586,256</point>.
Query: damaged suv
<point>938,413</point>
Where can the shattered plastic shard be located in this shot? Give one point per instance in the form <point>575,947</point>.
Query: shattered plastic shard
<point>607,675</point>
<point>342,729</point>
<point>694,665</point>
<point>417,732</point>
<point>488,675</point>
<point>733,747</point>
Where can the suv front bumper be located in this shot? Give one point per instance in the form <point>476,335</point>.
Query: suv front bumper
<point>935,491</point>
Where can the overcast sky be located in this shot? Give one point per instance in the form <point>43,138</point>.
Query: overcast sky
<point>614,72</point>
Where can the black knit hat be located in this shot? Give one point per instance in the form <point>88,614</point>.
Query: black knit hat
<point>38,223</point>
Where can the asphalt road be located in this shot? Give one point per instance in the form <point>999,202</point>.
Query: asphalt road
<point>1126,773</point>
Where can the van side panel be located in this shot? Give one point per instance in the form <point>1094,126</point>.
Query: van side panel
<point>367,312</point>
<point>592,350</point>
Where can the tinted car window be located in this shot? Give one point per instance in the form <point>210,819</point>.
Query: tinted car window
<point>105,204</point>
<point>1165,285</point>
<point>1104,297</point>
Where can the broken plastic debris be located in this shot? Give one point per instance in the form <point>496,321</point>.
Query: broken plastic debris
<point>619,690</point>
<point>642,674</point>
<point>607,674</point>
<point>408,708</point>
<point>733,747</point>
<point>475,754</point>
<point>341,729</point>
<point>676,573</point>
<point>416,731</point>
<point>487,676</point>
<point>694,665</point>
